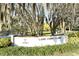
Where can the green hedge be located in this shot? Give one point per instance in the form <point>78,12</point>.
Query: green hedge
<point>73,34</point>
<point>5,42</point>
<point>38,51</point>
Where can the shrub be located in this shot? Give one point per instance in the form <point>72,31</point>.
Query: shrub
<point>71,35</point>
<point>73,40</point>
<point>77,34</point>
<point>4,42</point>
<point>46,27</point>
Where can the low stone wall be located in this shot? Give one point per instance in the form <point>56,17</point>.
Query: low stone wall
<point>38,41</point>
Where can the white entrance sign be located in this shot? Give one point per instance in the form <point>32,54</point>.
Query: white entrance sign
<point>39,41</point>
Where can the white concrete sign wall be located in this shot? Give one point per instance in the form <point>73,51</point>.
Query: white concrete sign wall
<point>38,41</point>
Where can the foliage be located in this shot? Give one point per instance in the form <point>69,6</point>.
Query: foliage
<point>4,42</point>
<point>77,34</point>
<point>74,40</point>
<point>46,27</point>
<point>25,17</point>
<point>48,50</point>
<point>73,34</point>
